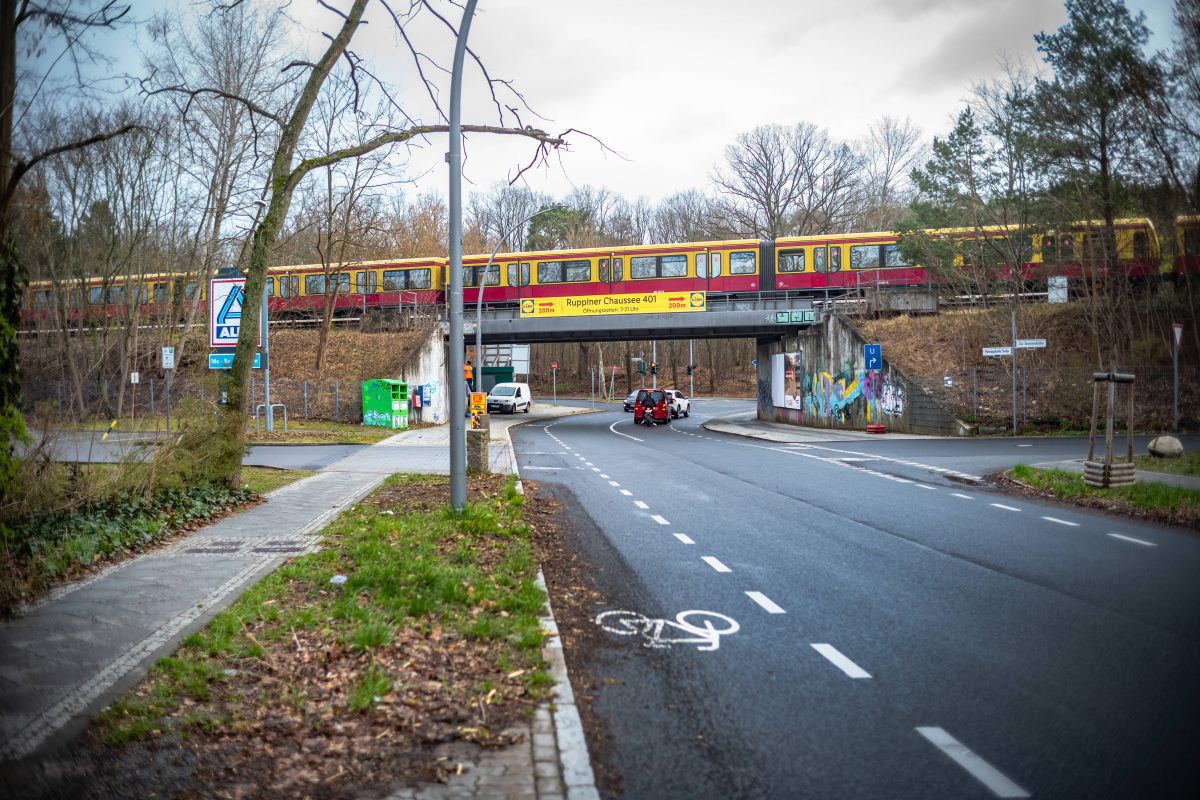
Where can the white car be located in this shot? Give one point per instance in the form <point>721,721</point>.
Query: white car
<point>680,405</point>
<point>508,398</point>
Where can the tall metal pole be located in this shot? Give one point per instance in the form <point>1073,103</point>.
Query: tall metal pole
<point>454,288</point>
<point>1176,338</point>
<point>265,333</point>
<point>1014,370</point>
<point>654,363</point>
<point>691,371</point>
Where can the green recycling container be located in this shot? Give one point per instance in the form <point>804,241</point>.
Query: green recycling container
<point>385,403</point>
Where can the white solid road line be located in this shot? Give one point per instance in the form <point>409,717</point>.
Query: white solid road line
<point>683,537</point>
<point>661,520</point>
<point>1006,508</point>
<point>1061,521</point>
<point>715,563</point>
<point>618,433</point>
<point>1131,539</point>
<point>982,771</point>
<point>765,602</point>
<point>640,504</point>
<point>963,496</point>
<point>840,661</point>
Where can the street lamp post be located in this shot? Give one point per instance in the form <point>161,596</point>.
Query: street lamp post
<point>483,282</point>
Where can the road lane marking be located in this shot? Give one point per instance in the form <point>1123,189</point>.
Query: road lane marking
<point>1024,445</point>
<point>602,475</point>
<point>924,486</point>
<point>590,464</point>
<point>1006,508</point>
<point>1131,539</point>
<point>765,602</point>
<point>715,563</point>
<point>659,519</point>
<point>982,771</point>
<point>1061,521</point>
<point>840,661</point>
<point>627,493</point>
<point>595,469</point>
<point>683,537</point>
<point>963,496</point>
<point>529,467</point>
<point>618,433</point>
<point>612,483</point>
<point>640,504</point>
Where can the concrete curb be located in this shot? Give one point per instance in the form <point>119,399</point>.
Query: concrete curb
<point>574,765</point>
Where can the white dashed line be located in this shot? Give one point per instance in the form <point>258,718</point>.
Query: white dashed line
<point>963,496</point>
<point>596,469</point>
<point>627,493</point>
<point>924,486</point>
<point>1131,539</point>
<point>1061,521</point>
<point>640,504</point>
<point>765,602</point>
<point>982,771</point>
<point>1006,508</point>
<point>683,537</point>
<point>602,475</point>
<point>612,483</point>
<point>840,661</point>
<point>590,464</point>
<point>659,519</point>
<point>713,562</point>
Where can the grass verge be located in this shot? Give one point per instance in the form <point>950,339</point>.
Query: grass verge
<point>308,685</point>
<point>261,480</point>
<point>1148,500</point>
<point>1187,464</point>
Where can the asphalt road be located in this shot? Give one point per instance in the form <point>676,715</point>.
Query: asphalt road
<point>899,632</point>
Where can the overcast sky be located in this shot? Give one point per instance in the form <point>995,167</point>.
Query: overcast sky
<point>669,83</point>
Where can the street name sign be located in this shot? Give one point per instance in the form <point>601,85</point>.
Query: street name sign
<point>997,351</point>
<point>1030,344</point>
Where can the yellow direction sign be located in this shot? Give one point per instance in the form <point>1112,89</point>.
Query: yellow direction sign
<point>478,403</point>
<point>603,305</point>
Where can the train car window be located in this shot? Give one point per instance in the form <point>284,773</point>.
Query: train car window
<point>892,256</point>
<point>314,284</point>
<point>578,271</point>
<point>491,275</point>
<point>468,276</point>
<point>270,284</point>
<point>366,282</point>
<point>419,278</point>
<point>818,259</point>
<point>1141,245</point>
<point>864,256</point>
<point>605,271</point>
<point>143,294</point>
<point>160,293</point>
<point>1048,247</point>
<point>514,277</point>
<point>394,280</point>
<point>714,265</point>
<point>289,286</point>
<point>1191,242</point>
<point>1066,247</point>
<point>673,266</point>
<point>701,265</point>
<point>742,264</point>
<point>1093,246</point>
<point>791,261</point>
<point>116,294</point>
<point>835,259</point>
<point>41,299</point>
<point>643,267</point>
<point>550,272</point>
<point>618,268</point>
<point>524,273</point>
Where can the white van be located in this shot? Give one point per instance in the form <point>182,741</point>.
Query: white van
<point>509,398</point>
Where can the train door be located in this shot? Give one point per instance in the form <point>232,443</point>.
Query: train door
<point>708,270</point>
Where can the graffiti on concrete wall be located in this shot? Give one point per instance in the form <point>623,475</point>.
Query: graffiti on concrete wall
<point>834,397</point>
<point>891,400</point>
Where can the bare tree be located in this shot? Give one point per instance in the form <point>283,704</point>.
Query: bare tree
<point>892,149</point>
<point>685,217</point>
<point>781,181</point>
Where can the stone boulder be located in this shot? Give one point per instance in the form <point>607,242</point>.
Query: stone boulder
<point>1165,447</point>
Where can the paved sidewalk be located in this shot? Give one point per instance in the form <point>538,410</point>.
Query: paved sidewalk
<point>79,648</point>
<point>747,425</point>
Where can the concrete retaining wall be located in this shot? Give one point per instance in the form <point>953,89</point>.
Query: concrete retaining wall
<point>428,366</point>
<point>819,379</point>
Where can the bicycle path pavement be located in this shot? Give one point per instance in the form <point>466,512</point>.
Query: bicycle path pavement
<point>70,654</point>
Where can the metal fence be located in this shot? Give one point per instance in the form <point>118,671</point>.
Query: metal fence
<point>1055,399</point>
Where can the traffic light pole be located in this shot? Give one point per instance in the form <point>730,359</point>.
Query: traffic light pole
<point>654,364</point>
<point>691,371</point>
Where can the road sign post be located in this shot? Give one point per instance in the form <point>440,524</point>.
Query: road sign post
<point>168,365</point>
<point>873,356</point>
<point>554,379</point>
<point>1177,332</point>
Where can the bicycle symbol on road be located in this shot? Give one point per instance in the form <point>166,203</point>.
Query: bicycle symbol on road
<point>701,628</point>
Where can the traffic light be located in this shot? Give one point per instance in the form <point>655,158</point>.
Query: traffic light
<point>641,367</point>
<point>653,368</point>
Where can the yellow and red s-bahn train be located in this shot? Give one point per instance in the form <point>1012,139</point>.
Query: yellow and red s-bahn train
<point>831,264</point>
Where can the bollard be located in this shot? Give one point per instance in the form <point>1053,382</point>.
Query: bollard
<point>477,450</point>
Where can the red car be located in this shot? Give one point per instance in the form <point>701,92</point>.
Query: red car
<point>651,402</point>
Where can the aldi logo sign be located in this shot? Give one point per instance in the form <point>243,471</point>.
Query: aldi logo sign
<point>225,299</point>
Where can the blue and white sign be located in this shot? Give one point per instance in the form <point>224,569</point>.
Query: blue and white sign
<point>225,296</point>
<point>225,361</point>
<point>426,394</point>
<point>873,356</point>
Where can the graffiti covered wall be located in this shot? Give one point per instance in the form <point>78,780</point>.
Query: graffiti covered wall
<point>818,379</point>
